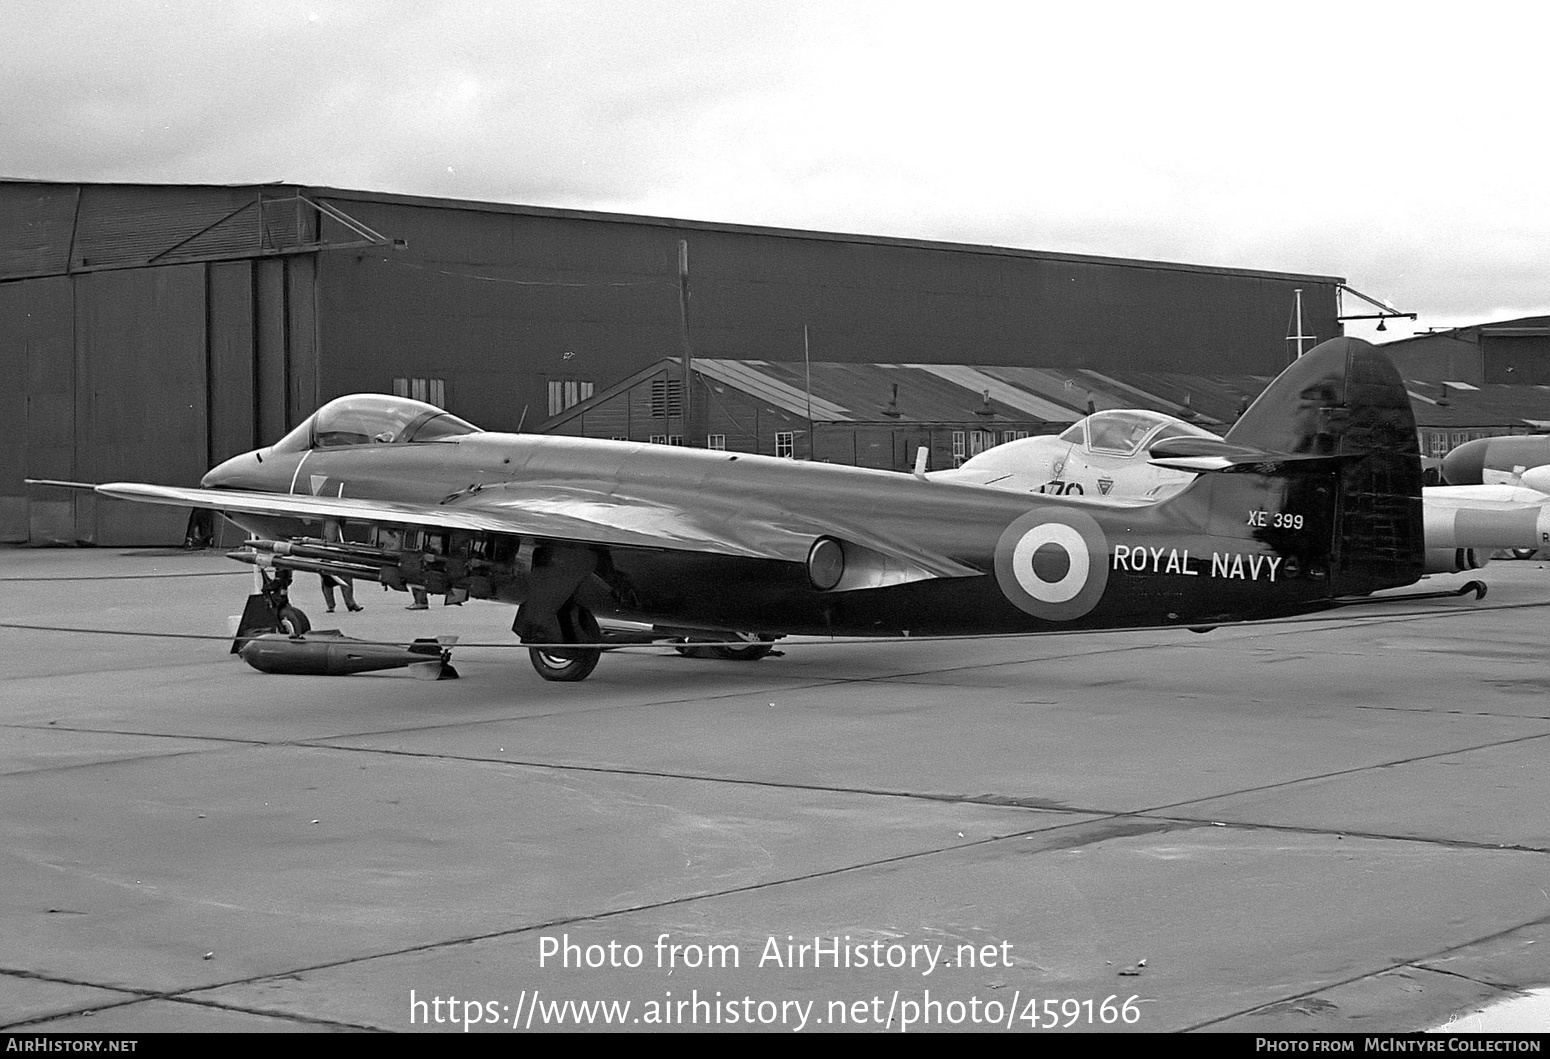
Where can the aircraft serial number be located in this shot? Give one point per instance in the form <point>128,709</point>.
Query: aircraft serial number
<point>1275,520</point>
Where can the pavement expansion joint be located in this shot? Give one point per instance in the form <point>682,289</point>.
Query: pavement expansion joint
<point>1419,962</point>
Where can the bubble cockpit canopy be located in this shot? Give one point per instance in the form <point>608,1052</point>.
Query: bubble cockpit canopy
<point>373,419</point>
<point>1124,431</point>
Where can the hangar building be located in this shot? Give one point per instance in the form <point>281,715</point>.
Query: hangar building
<point>880,415</point>
<point>152,331</point>
<point>1508,352</point>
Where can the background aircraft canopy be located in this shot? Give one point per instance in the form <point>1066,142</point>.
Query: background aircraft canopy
<point>1123,431</point>
<point>373,419</point>
<point>1116,432</point>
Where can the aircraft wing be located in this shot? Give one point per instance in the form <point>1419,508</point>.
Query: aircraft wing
<point>559,512</point>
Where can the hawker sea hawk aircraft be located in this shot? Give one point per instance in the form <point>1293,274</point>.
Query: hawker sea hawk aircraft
<point>1312,497</point>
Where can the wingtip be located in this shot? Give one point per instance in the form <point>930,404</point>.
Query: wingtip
<point>57,484</point>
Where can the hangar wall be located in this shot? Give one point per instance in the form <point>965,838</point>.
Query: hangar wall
<point>1508,352</point>
<point>1520,359</point>
<point>162,328</point>
<point>138,371</point>
<point>498,301</point>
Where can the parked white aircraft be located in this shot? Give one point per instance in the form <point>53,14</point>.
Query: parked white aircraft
<point>1106,458</point>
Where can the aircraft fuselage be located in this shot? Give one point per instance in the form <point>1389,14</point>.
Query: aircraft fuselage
<point>1027,563</point>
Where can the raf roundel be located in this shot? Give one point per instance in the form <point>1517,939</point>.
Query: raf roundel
<point>1053,564</point>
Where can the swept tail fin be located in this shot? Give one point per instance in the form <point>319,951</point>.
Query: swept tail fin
<point>1337,431</point>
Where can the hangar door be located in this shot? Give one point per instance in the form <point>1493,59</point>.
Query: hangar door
<point>146,333</point>
<point>146,375</point>
<point>140,396</point>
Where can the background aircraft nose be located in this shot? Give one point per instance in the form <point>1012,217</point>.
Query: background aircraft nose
<point>1538,478</point>
<point>1465,464</point>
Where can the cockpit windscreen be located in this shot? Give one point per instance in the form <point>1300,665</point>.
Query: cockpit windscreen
<point>373,419</point>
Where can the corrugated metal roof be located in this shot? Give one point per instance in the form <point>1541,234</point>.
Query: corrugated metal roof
<point>1489,404</point>
<point>954,393</point>
<point>974,379</point>
<point>1060,386</point>
<point>1213,399</point>
<point>746,376</point>
<point>867,393</point>
<point>1144,396</point>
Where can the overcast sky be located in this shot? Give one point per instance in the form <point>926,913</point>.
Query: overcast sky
<point>1401,146</point>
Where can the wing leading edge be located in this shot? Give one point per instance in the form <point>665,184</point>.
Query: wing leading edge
<point>558,513</point>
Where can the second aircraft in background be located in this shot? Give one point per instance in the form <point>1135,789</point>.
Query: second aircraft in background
<point>1109,457</point>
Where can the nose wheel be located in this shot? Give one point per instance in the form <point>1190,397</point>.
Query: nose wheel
<point>570,664</point>
<point>269,610</point>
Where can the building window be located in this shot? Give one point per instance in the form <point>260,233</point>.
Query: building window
<point>431,391</point>
<point>563,393</point>
<point>980,440</point>
<point>675,439</point>
<point>667,398</point>
<point>659,439</point>
<point>1008,435</point>
<point>960,446</point>
<point>715,441</point>
<point>786,444</point>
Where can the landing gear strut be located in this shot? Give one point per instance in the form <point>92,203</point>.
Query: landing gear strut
<point>269,610</point>
<point>569,664</point>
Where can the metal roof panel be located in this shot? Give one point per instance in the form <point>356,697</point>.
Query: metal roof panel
<point>971,378</point>
<point>747,376</point>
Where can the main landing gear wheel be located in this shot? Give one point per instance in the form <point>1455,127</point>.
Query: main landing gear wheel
<point>758,647</point>
<point>578,626</point>
<point>292,621</point>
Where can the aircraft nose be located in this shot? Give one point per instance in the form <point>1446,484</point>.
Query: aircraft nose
<point>232,473</point>
<point>1466,464</point>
